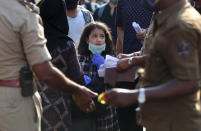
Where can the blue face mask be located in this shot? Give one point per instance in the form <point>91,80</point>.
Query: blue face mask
<point>96,48</point>
<point>147,4</point>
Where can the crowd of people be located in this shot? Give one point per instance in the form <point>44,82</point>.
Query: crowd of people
<point>52,50</point>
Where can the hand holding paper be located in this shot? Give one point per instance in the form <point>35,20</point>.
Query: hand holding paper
<point>140,32</point>
<point>137,27</point>
<point>123,65</point>
<point>141,35</point>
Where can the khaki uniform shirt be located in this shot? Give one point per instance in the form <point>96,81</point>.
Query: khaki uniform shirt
<point>148,36</point>
<point>21,33</point>
<point>174,53</point>
<point>20,26</point>
<point>146,45</point>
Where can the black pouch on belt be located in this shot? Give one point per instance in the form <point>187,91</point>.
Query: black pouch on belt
<point>26,81</point>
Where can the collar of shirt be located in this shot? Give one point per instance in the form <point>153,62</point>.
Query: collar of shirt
<point>173,10</point>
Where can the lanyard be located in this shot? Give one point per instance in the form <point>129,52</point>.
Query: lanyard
<point>91,70</point>
<point>90,67</point>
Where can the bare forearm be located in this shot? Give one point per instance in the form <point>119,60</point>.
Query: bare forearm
<point>119,46</point>
<point>120,37</point>
<point>55,78</point>
<point>170,90</point>
<point>138,53</point>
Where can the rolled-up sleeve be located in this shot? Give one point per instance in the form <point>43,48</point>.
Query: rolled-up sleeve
<point>34,41</point>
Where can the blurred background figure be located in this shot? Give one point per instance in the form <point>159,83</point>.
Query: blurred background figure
<point>81,2</point>
<point>91,5</point>
<point>198,5</point>
<point>107,14</point>
<point>129,11</point>
<point>100,2</point>
<point>192,2</point>
<point>77,18</point>
<point>33,1</point>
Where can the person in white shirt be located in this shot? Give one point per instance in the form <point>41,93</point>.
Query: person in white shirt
<point>77,18</point>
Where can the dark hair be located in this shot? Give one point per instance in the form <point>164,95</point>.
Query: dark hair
<point>83,45</point>
<point>71,4</point>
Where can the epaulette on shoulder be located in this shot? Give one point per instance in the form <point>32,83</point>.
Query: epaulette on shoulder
<point>32,7</point>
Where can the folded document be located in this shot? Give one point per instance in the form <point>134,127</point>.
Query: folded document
<point>112,75</point>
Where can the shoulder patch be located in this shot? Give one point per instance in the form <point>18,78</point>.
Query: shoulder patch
<point>183,48</point>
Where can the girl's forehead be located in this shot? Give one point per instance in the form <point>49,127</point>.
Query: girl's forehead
<point>97,30</point>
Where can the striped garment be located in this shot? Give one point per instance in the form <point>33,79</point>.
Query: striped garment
<point>109,121</point>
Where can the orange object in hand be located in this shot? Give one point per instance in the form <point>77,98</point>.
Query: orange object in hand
<point>102,98</point>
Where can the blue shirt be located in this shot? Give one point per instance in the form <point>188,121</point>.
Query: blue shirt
<point>127,12</point>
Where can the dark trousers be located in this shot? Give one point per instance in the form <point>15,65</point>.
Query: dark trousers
<point>127,116</point>
<point>82,124</point>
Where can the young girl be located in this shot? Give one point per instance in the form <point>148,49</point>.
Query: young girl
<point>95,43</point>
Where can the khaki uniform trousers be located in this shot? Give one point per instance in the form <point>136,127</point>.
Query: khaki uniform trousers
<point>18,113</point>
<point>164,125</point>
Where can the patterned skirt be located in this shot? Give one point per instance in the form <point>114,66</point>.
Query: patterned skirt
<point>56,112</point>
<point>57,105</point>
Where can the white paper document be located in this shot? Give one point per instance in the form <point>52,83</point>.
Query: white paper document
<point>137,27</point>
<point>110,62</point>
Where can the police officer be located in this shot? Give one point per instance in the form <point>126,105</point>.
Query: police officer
<point>22,41</point>
<point>169,98</point>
